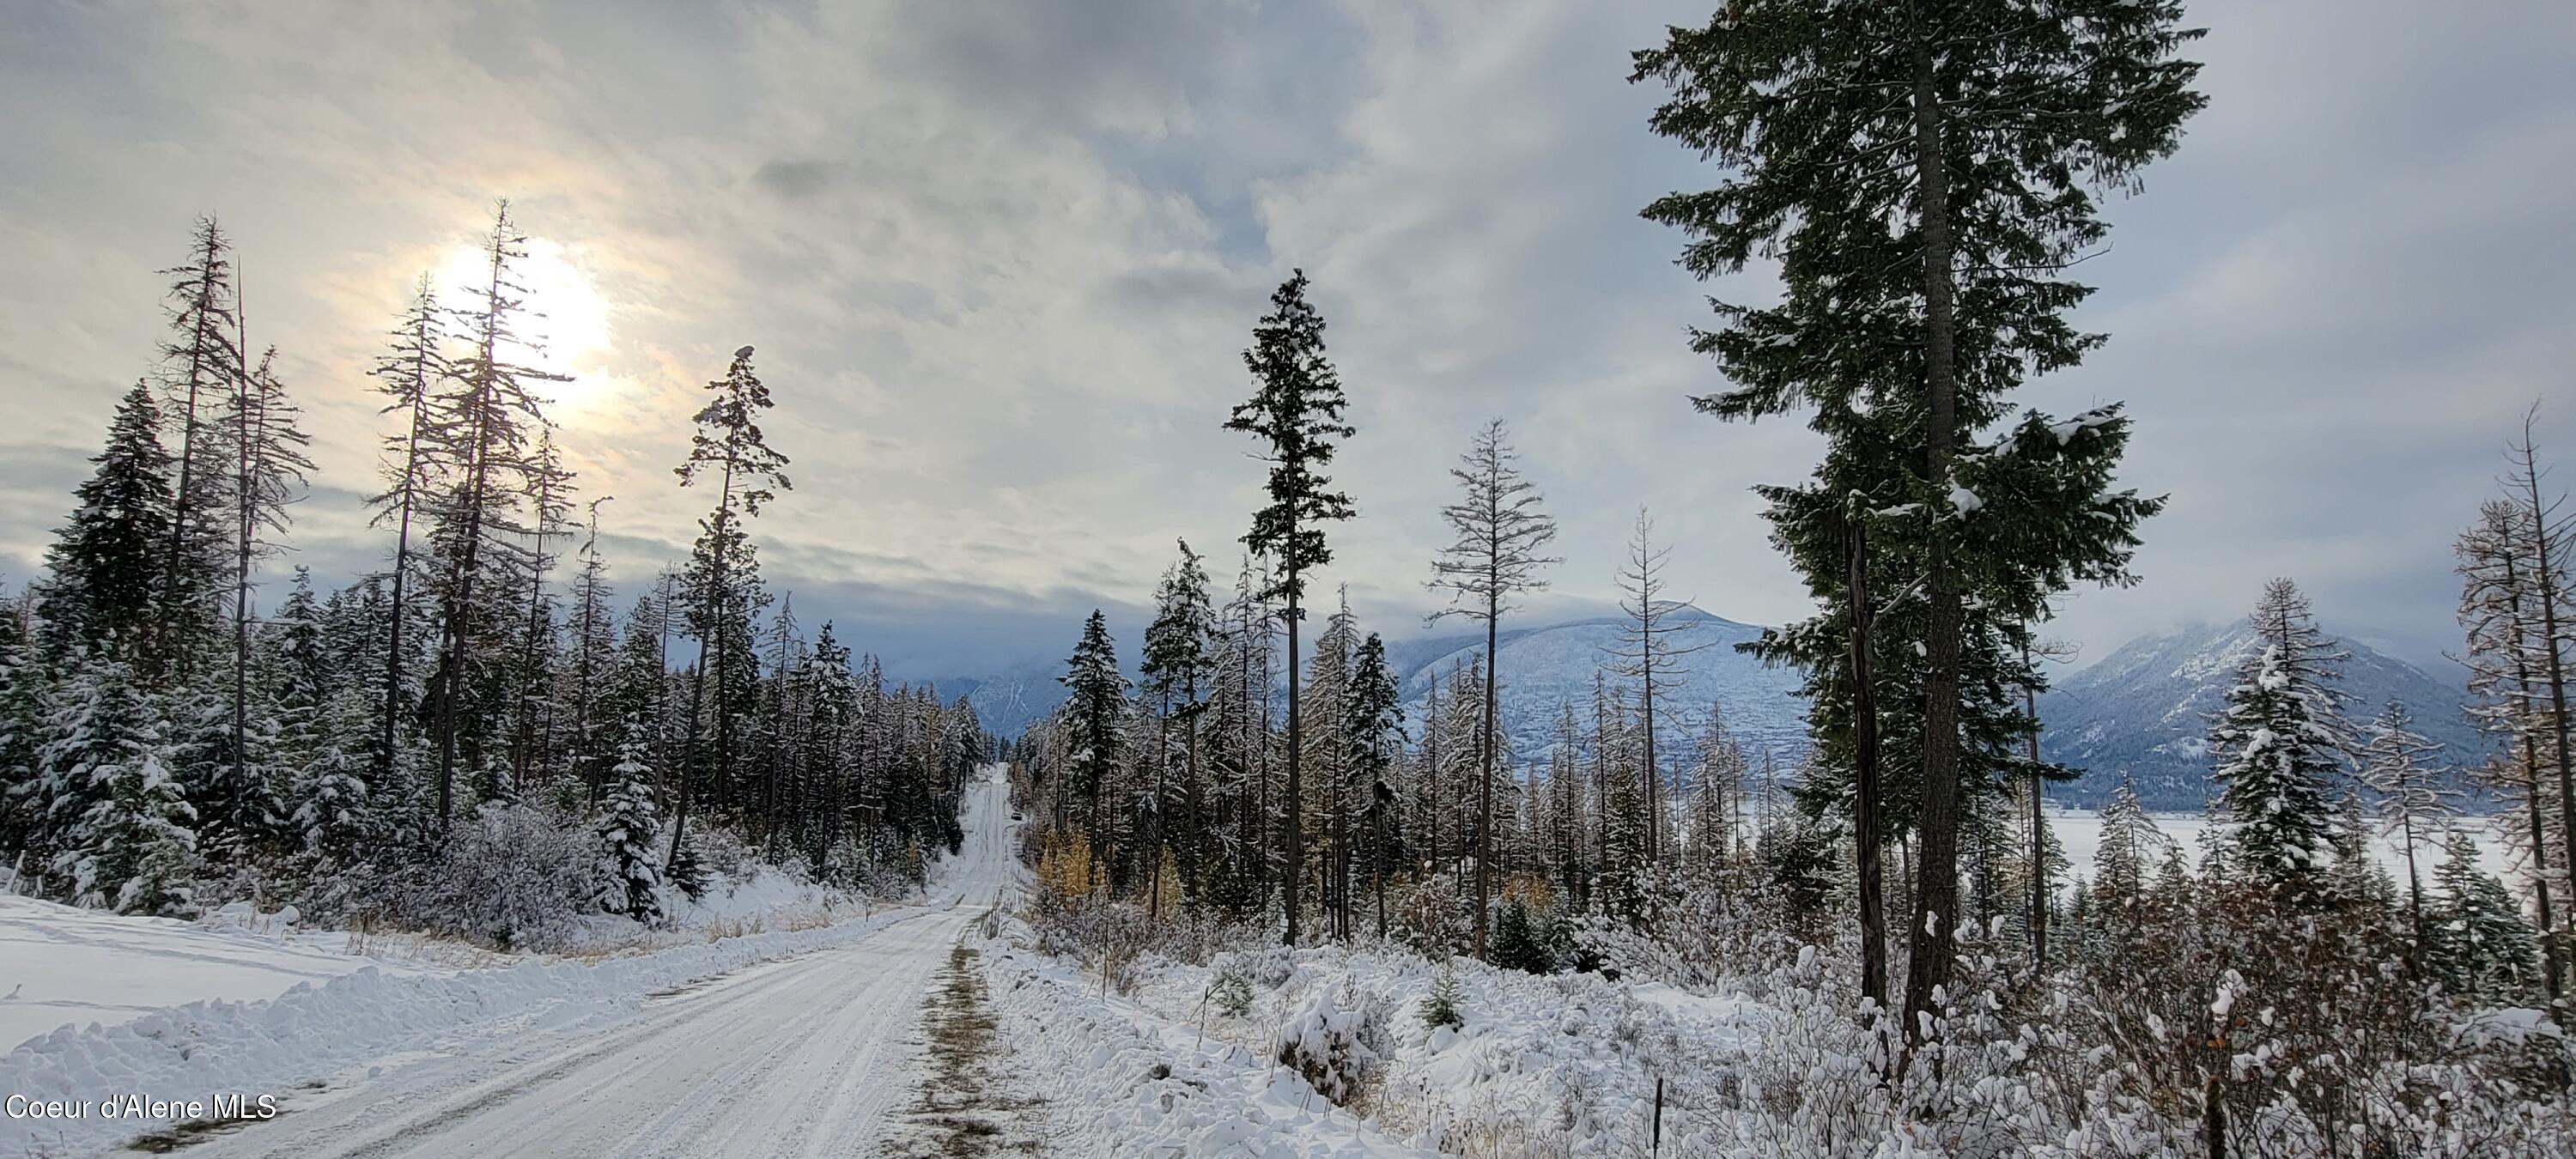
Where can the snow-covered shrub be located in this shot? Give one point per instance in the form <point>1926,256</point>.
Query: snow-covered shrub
<point>1269,967</point>
<point>1430,914</point>
<point>1231,992</point>
<point>1334,1040</point>
<point>513,876</point>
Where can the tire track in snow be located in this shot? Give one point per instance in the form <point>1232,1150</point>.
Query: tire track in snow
<point>803,1057</point>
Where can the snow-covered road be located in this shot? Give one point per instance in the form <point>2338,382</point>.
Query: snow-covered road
<point>805,1056</point>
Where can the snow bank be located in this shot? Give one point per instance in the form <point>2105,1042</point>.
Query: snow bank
<point>60,964</point>
<point>1562,1064</point>
<point>1120,1080</point>
<point>267,1047</point>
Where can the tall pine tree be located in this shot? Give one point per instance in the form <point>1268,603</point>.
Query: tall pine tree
<point>1924,173</point>
<point>1296,411</point>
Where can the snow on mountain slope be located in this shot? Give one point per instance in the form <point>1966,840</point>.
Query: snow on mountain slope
<point>1545,669</point>
<point>2145,708</point>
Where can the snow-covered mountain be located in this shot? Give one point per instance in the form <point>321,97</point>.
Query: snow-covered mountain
<point>2144,709</point>
<point>1544,667</point>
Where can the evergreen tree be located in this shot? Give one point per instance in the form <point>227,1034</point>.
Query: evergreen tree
<point>2480,947</point>
<point>630,875</point>
<point>2277,747</point>
<point>2495,611</point>
<point>24,693</point>
<point>594,646</point>
<point>122,834</point>
<point>1924,174</point>
<point>101,583</point>
<point>1179,661</point>
<point>1501,529</point>
<point>1095,702</point>
<point>1650,649</point>
<point>337,818</point>
<point>1326,742</point>
<point>1296,411</point>
<point>531,746</point>
<point>1373,720</point>
<point>2131,848</point>
<point>268,464</point>
<point>2542,534</point>
<point>723,575</point>
<point>1716,786</point>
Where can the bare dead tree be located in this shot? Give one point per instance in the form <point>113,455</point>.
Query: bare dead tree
<point>1501,531</point>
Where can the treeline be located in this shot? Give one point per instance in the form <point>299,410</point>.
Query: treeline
<point>168,743</point>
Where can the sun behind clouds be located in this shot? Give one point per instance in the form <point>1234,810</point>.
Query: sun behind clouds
<point>566,328</point>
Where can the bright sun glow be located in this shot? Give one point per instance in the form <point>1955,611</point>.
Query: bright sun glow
<point>566,323</point>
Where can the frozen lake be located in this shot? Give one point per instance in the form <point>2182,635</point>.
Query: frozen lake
<point>2081,832</point>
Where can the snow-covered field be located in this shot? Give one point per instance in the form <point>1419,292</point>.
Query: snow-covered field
<point>63,965</point>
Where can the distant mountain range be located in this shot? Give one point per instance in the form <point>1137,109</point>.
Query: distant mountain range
<point>2142,709</point>
<point>1544,667</point>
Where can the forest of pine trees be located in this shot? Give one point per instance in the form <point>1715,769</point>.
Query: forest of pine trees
<point>181,726</point>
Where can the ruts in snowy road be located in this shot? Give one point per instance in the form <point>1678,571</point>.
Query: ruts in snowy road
<point>800,1057</point>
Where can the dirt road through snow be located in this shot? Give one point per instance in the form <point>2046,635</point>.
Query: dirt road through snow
<point>804,1057</point>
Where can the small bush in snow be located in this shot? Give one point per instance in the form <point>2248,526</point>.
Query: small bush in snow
<point>1333,1042</point>
<point>1231,992</point>
<point>1441,1008</point>
<point>514,877</point>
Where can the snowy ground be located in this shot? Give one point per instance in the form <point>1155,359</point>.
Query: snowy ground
<point>1115,1077</point>
<point>1558,1065</point>
<point>779,1043</point>
<point>61,965</point>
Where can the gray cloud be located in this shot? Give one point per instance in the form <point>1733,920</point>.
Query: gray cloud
<point>999,259</point>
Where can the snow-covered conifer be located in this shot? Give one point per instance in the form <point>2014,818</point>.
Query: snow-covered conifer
<point>2479,944</point>
<point>123,834</point>
<point>103,572</point>
<point>2277,745</point>
<point>630,876</point>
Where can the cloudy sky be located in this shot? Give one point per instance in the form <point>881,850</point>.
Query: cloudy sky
<point>999,258</point>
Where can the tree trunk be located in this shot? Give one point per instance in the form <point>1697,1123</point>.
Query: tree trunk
<point>2545,571</point>
<point>1867,840</point>
<point>1937,897</point>
<point>2038,830</point>
<point>1485,777</point>
<point>1292,835</point>
<point>2552,952</point>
